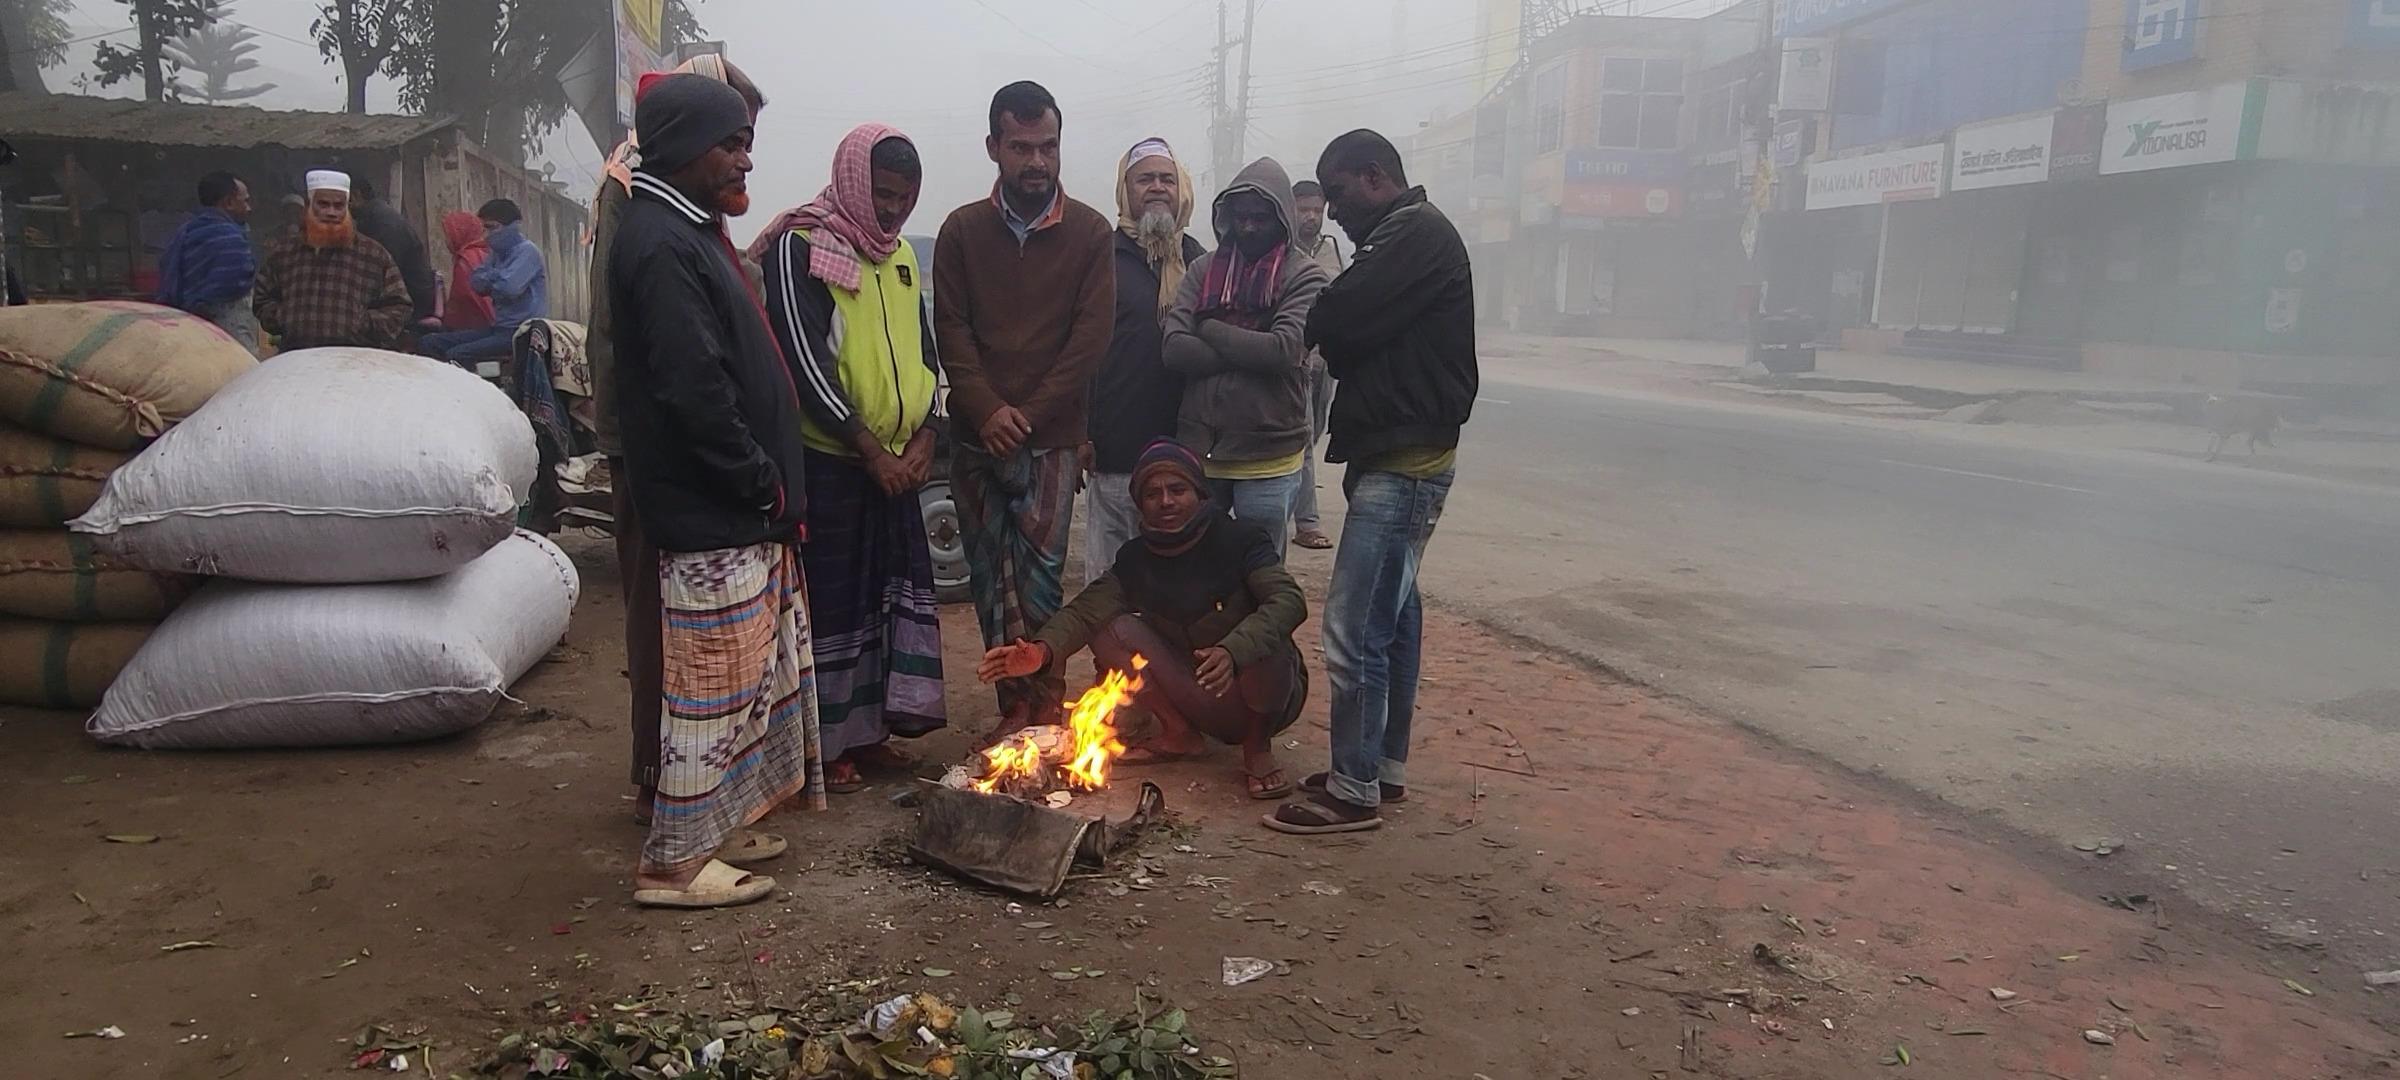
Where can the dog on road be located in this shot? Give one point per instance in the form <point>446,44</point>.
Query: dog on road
<point>2227,417</point>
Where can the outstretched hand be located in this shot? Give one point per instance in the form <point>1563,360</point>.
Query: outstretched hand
<point>1013,661</point>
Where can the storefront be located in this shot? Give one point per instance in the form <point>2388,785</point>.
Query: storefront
<point>1848,200</point>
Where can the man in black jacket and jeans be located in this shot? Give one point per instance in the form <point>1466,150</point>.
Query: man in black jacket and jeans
<point>1397,330</point>
<point>711,427</point>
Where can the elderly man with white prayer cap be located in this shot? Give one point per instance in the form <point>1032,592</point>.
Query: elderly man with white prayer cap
<point>328,285</point>
<point>1134,397</point>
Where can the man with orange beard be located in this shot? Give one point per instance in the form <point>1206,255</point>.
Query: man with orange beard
<point>328,285</point>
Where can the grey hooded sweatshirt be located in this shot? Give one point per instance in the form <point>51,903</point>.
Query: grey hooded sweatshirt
<point>1245,392</point>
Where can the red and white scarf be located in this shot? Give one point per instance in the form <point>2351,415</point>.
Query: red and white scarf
<point>842,216</point>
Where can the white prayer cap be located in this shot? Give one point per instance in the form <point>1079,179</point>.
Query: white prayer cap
<point>328,180</point>
<point>1148,148</point>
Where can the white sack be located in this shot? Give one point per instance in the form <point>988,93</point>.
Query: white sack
<point>252,664</point>
<point>325,465</point>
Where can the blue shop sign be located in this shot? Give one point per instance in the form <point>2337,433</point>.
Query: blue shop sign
<point>2375,24</point>
<point>2160,32</point>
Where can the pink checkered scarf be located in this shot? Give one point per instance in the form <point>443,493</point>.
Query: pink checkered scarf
<point>842,216</point>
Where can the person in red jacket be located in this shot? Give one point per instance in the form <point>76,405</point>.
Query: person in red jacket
<point>462,307</point>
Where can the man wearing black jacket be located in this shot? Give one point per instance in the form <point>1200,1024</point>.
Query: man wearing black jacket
<point>1135,397</point>
<point>1397,330</point>
<point>711,425</point>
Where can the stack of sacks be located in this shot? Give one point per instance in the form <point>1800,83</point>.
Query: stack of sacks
<point>82,386</point>
<point>359,509</point>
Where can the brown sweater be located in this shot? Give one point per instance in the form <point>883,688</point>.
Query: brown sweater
<point>1023,325</point>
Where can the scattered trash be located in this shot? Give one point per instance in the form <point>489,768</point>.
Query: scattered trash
<point>2298,989</point>
<point>2128,902</point>
<point>78,778</point>
<point>112,1031</point>
<point>939,973</point>
<point>183,945</point>
<point>1967,1031</point>
<point>2097,1037</point>
<point>1058,800</point>
<point>1633,1012</point>
<point>1900,1056</point>
<point>2003,995</point>
<point>130,838</point>
<point>1245,969</point>
<point>1322,889</point>
<point>2383,978</point>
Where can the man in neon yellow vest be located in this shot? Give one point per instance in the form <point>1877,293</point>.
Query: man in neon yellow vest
<point>844,293</point>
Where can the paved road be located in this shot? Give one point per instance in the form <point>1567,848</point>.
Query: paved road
<point>2199,662</point>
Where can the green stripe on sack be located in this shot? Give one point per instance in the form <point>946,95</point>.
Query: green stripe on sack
<point>56,645</point>
<point>87,578</point>
<point>47,490</point>
<point>46,404</point>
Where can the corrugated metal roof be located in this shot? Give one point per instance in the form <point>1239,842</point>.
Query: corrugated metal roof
<point>96,119</point>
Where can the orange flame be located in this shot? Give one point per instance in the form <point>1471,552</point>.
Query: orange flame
<point>1091,740</point>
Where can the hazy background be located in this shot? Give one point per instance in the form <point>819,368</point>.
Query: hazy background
<point>1121,71</point>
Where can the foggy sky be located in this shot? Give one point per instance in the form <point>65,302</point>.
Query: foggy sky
<point>1122,71</point>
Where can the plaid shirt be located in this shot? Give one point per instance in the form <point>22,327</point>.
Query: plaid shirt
<point>309,297</point>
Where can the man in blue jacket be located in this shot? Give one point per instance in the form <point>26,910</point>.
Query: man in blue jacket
<point>516,280</point>
<point>209,268</point>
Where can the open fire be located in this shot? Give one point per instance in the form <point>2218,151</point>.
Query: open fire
<point>1037,761</point>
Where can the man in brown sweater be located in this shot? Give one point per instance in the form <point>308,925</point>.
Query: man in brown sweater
<point>1022,316</point>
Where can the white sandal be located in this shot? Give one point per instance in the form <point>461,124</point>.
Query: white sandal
<point>718,885</point>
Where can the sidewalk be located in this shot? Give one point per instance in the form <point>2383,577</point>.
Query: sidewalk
<point>1586,882</point>
<point>2068,408</point>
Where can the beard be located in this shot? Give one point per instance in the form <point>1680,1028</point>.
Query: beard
<point>1157,225</point>
<point>321,235</point>
<point>733,202</point>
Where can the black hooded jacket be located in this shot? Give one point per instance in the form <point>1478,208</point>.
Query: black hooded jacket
<point>1397,330</point>
<point>705,404</point>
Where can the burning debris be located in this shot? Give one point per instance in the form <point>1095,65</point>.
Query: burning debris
<point>1037,761</point>
<point>1011,827</point>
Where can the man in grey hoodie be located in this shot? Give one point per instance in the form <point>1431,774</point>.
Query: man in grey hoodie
<point>1236,334</point>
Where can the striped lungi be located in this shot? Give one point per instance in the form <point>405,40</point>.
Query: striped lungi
<point>739,734</point>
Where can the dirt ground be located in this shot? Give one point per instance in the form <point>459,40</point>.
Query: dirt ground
<point>1578,887</point>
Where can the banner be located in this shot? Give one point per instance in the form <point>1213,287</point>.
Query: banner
<point>1806,82</point>
<point>1893,176</point>
<point>1623,184</point>
<point>2001,153</point>
<point>2375,24</point>
<point>639,50</point>
<point>2076,133</point>
<point>2197,127</point>
<point>1818,16</point>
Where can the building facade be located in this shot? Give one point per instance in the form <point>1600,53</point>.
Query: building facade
<point>2205,190</point>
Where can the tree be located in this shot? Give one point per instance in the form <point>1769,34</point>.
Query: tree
<point>494,64</point>
<point>156,23</point>
<point>34,34</point>
<point>364,36</point>
<point>218,54</point>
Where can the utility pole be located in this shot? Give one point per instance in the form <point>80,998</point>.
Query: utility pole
<point>1230,121</point>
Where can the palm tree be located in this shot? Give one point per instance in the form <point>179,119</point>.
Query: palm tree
<point>218,53</point>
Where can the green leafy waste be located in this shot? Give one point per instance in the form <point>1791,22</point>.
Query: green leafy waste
<point>964,1044</point>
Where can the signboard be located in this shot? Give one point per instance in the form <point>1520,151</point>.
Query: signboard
<point>1818,16</point>
<point>2375,24</point>
<point>2159,32</point>
<point>1623,184</point>
<point>1791,142</point>
<point>2075,135</point>
<point>1893,176</point>
<point>2001,153</point>
<point>638,26</point>
<point>1806,84</point>
<point>2169,131</point>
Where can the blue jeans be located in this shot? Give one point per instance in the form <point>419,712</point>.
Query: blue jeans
<point>464,347</point>
<point>1320,407</point>
<point>1267,502</point>
<point>1375,626</point>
